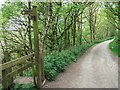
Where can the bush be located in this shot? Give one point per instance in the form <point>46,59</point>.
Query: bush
<point>98,41</point>
<point>114,47</point>
<point>20,86</point>
<point>29,85</point>
<point>50,70</point>
<point>56,62</point>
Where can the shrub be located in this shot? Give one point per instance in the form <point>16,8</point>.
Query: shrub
<point>20,86</point>
<point>50,70</point>
<point>17,85</point>
<point>114,47</point>
<point>56,62</point>
<point>29,85</point>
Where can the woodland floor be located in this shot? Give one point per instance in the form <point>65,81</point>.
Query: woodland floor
<point>97,68</point>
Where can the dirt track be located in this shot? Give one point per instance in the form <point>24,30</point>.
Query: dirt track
<point>97,68</point>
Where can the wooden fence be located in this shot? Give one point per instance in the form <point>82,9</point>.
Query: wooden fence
<point>24,62</point>
<point>11,68</point>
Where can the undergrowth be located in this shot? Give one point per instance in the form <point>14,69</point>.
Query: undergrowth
<point>114,47</point>
<point>18,86</point>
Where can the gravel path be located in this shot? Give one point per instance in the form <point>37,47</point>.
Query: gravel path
<point>97,68</point>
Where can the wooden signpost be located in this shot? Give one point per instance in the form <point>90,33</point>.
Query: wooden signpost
<point>38,59</point>
<point>26,12</point>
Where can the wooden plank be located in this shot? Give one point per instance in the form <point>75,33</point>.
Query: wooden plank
<point>33,75</point>
<point>16,61</point>
<point>19,50</point>
<point>20,65</point>
<point>28,62</point>
<point>5,80</point>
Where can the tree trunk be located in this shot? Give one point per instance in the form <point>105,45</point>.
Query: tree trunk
<point>74,31</point>
<point>81,30</point>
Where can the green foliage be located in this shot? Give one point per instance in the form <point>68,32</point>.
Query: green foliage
<point>114,47</point>
<point>50,70</point>
<point>28,85</point>
<point>28,72</point>
<point>17,85</point>
<point>56,62</point>
<point>10,9</point>
<point>98,41</point>
<point>117,39</point>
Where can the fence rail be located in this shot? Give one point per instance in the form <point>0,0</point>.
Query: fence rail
<point>7,68</point>
<point>16,61</point>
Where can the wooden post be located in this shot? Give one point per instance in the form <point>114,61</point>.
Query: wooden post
<point>33,74</point>
<point>36,47</point>
<point>42,64</point>
<point>4,72</point>
<point>4,80</point>
<point>20,65</point>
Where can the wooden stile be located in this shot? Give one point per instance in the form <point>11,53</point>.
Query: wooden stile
<point>35,58</point>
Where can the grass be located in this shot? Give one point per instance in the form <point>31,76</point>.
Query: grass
<point>114,47</point>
